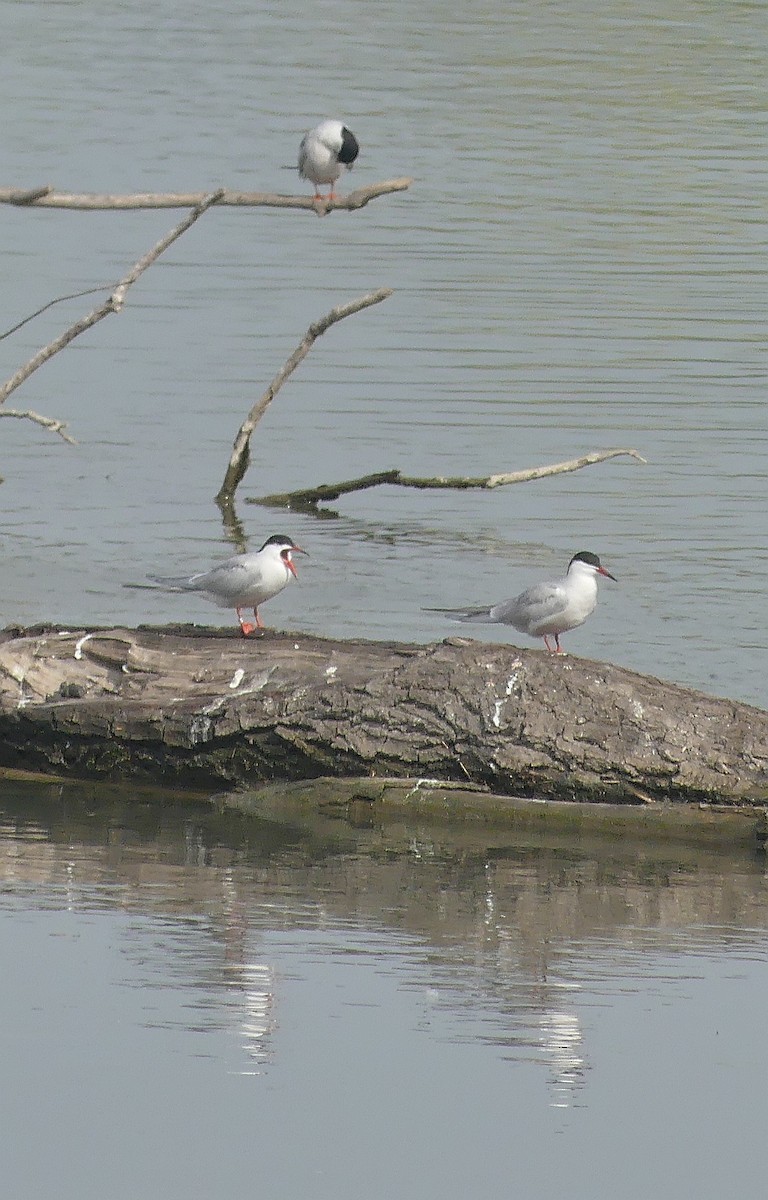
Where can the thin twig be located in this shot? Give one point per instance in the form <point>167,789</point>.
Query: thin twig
<point>308,498</point>
<point>51,423</point>
<point>114,302</point>
<point>59,300</point>
<point>239,459</point>
<point>47,198</point>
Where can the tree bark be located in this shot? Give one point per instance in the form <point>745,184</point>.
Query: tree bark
<point>200,707</point>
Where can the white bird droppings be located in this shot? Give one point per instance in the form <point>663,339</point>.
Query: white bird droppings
<point>80,643</point>
<point>200,729</point>
<point>499,703</point>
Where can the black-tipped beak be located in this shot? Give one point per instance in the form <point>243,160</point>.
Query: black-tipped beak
<point>602,571</point>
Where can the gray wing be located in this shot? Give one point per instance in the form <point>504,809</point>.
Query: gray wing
<point>230,580</point>
<point>225,582</point>
<point>534,607</point>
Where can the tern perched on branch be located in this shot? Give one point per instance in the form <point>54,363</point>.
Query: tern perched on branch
<point>323,152</point>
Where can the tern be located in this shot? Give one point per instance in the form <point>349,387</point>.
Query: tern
<point>546,609</point>
<point>243,581</point>
<point>323,152</point>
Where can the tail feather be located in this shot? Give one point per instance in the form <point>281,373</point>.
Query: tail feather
<point>180,583</point>
<point>478,616</point>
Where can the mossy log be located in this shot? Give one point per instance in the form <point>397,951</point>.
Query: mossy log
<point>201,707</point>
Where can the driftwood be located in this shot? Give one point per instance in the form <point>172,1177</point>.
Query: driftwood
<point>46,197</point>
<point>241,449</point>
<point>196,707</point>
<point>307,499</point>
<point>52,424</point>
<point>199,202</point>
<point>113,304</point>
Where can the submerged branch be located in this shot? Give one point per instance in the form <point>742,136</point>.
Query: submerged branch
<point>46,197</point>
<point>240,457</point>
<point>114,302</point>
<point>308,498</point>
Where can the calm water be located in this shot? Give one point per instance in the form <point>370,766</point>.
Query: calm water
<point>581,263</point>
<point>197,1006</point>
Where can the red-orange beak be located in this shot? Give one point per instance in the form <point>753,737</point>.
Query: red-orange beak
<point>286,557</point>
<point>602,571</point>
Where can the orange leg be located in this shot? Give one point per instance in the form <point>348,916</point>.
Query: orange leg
<point>557,648</point>
<point>245,626</point>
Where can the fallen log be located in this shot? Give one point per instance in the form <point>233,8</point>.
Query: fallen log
<point>200,707</point>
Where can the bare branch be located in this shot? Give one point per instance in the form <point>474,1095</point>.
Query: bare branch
<point>239,459</point>
<point>308,499</point>
<point>45,197</point>
<point>24,196</point>
<point>114,303</point>
<point>573,464</point>
<point>138,268</point>
<point>52,423</point>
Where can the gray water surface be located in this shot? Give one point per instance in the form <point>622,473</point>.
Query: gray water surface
<point>196,1005</point>
<point>581,263</point>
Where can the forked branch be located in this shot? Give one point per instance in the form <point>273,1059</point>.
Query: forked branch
<point>112,304</point>
<point>53,424</point>
<point>240,457</point>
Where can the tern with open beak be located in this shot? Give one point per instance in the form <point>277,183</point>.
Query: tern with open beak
<point>243,581</point>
